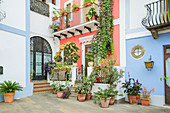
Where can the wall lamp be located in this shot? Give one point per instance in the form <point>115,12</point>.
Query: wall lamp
<point>149,64</point>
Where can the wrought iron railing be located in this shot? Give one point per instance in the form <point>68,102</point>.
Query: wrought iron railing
<point>39,7</point>
<point>158,14</point>
<point>77,17</point>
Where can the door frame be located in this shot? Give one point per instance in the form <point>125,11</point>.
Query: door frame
<point>165,57</point>
<point>43,77</point>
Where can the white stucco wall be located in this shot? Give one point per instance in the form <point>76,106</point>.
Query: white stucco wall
<point>15,14</point>
<point>39,26</point>
<point>13,57</point>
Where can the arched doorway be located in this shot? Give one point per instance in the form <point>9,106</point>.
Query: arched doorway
<point>40,53</point>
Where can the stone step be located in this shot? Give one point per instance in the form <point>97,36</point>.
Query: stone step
<point>43,83</point>
<point>39,90</point>
<point>42,92</point>
<point>39,81</point>
<point>42,86</point>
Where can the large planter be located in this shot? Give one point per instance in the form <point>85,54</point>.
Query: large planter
<point>90,64</point>
<point>112,100</point>
<point>145,101</point>
<point>105,104</point>
<point>88,96</point>
<point>81,97</point>
<point>60,94</point>
<point>9,97</point>
<point>75,64</point>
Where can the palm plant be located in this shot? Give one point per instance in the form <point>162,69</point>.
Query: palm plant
<point>8,87</point>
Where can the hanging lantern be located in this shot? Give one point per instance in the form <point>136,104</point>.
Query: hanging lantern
<point>149,64</point>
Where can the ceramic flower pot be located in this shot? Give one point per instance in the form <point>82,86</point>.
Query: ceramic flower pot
<point>105,104</point>
<point>81,97</point>
<point>54,18</point>
<point>90,64</point>
<point>88,96</point>
<point>87,20</point>
<point>112,100</point>
<point>77,8</point>
<point>145,101</point>
<point>9,97</point>
<point>75,64</point>
<point>60,94</point>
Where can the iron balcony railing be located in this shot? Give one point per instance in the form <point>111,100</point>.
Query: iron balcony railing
<point>77,17</point>
<point>158,14</point>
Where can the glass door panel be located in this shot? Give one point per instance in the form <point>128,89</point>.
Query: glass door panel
<point>168,71</point>
<point>38,64</point>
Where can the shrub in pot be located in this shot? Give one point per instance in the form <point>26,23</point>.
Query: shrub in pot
<point>81,93</point>
<point>145,100</point>
<point>54,88</point>
<point>112,96</point>
<point>90,57</point>
<point>102,96</point>
<point>8,90</point>
<point>74,58</point>
<point>60,90</point>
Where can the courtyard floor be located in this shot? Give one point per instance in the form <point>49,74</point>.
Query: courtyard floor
<point>49,103</point>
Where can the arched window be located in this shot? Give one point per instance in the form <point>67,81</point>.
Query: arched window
<point>40,53</point>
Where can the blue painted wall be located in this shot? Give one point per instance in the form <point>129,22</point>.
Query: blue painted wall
<point>136,67</point>
<point>28,90</point>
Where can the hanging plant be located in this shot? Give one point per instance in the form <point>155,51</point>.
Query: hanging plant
<point>102,42</point>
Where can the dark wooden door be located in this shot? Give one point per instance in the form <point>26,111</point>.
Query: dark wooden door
<point>167,73</point>
<point>87,48</point>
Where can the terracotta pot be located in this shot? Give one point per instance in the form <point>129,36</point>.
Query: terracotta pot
<point>137,98</point>
<point>9,97</point>
<point>75,64</point>
<point>77,8</point>
<point>59,29</point>
<point>130,99</point>
<point>54,91</point>
<point>89,3</point>
<point>90,64</point>
<point>112,101</point>
<point>60,94</point>
<point>65,14</point>
<point>93,17</point>
<point>54,18</point>
<point>81,97</point>
<point>134,99</point>
<point>145,101</point>
<point>87,20</point>
<point>105,104</point>
<point>88,96</point>
<point>30,80</point>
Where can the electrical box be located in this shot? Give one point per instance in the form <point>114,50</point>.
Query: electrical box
<point>1,70</point>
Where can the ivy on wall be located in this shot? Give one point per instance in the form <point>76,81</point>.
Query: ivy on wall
<point>102,42</point>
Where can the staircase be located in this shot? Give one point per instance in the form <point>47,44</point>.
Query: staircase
<point>41,87</point>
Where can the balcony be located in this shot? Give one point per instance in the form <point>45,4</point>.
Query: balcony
<point>158,17</point>
<point>39,7</point>
<point>76,22</point>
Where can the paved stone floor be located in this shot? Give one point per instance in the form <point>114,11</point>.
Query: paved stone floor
<point>49,103</point>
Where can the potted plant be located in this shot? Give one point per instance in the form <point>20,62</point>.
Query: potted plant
<point>112,96</point>
<point>64,12</point>
<point>136,91</point>
<point>81,93</point>
<point>74,58</point>
<point>57,57</point>
<point>8,90</point>
<point>54,88</point>
<point>92,14</point>
<point>103,97</point>
<point>55,27</point>
<point>83,89</point>
<point>55,16</point>
<point>31,75</point>
<point>145,100</point>
<point>75,8</point>
<point>90,58</point>
<point>88,3</point>
<point>60,90</point>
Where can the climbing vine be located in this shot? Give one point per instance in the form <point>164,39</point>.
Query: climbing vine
<point>102,42</point>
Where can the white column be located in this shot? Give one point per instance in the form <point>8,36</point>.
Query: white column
<point>89,70</point>
<point>74,73</point>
